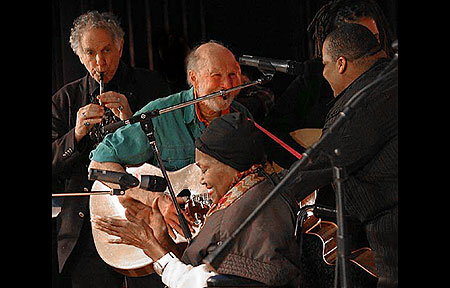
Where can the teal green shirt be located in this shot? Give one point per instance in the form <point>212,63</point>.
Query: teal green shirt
<point>175,134</point>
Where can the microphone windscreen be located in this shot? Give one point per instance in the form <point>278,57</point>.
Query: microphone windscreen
<point>153,183</point>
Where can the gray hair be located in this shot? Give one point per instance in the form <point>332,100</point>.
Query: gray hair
<point>94,19</point>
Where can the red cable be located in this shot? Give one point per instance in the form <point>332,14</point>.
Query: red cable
<point>279,141</point>
<point>275,138</point>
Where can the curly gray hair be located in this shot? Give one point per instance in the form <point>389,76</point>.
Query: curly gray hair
<point>94,19</point>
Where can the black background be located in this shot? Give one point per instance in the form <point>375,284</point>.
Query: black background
<point>273,29</point>
<point>35,49</point>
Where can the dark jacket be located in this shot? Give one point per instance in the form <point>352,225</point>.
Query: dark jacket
<point>368,145</point>
<point>265,251</point>
<point>70,159</point>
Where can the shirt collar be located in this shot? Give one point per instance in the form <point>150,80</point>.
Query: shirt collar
<point>199,115</point>
<point>189,111</point>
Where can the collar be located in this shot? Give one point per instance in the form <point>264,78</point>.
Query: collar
<point>199,115</point>
<point>243,182</point>
<point>189,111</point>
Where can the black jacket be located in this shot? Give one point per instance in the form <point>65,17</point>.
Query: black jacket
<point>70,159</point>
<point>368,144</point>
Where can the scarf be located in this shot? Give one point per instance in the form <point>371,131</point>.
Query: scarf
<point>241,183</point>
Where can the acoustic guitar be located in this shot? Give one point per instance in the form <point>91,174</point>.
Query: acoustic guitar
<point>130,260</point>
<point>325,227</point>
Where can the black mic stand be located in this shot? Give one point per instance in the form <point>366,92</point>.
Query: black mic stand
<point>341,269</point>
<point>147,127</point>
<point>213,259</point>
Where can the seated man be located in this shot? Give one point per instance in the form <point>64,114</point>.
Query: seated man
<point>231,158</point>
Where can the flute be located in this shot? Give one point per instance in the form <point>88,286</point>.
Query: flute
<point>102,83</point>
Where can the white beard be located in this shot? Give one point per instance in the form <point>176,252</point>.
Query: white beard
<point>217,104</point>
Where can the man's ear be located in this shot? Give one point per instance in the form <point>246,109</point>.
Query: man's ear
<point>341,64</point>
<point>121,47</point>
<point>193,78</point>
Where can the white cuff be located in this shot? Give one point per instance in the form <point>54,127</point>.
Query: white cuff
<point>179,275</point>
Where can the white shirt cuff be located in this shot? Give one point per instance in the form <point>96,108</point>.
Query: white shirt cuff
<point>179,275</point>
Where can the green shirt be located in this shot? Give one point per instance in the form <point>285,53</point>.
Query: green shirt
<point>175,134</point>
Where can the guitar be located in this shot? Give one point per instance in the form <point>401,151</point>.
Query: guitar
<point>326,229</point>
<point>130,260</point>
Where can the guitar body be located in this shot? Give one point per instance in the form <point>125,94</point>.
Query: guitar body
<point>325,228</point>
<point>327,232</point>
<point>127,259</point>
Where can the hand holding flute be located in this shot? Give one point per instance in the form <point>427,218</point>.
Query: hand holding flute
<point>118,103</point>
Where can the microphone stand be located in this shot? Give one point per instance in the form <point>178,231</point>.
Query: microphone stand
<point>213,259</point>
<point>154,113</point>
<point>341,269</point>
<point>147,127</point>
<point>145,120</point>
<point>111,192</point>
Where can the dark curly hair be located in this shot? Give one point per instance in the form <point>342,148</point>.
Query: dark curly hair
<point>336,12</point>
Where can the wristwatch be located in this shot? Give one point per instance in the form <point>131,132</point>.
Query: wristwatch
<point>162,262</point>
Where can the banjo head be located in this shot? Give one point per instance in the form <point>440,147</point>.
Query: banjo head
<point>127,257</point>
<point>120,256</point>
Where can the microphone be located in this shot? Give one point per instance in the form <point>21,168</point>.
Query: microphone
<point>124,179</point>
<point>265,64</point>
<point>153,183</point>
<point>148,182</point>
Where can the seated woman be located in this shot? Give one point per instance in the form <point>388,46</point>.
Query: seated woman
<point>231,157</point>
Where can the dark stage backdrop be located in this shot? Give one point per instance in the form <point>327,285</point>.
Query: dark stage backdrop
<point>157,32</point>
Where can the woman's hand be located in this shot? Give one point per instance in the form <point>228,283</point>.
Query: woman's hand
<point>133,231</point>
<point>165,206</point>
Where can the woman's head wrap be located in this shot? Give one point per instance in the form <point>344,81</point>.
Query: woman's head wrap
<point>233,140</point>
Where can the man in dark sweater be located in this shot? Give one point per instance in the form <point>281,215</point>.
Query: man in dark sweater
<point>367,141</point>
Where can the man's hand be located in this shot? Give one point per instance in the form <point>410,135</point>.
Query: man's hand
<point>118,103</point>
<point>87,116</point>
<point>134,209</point>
